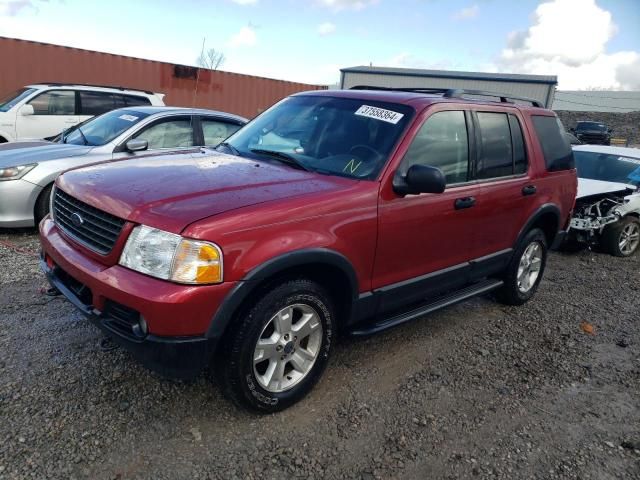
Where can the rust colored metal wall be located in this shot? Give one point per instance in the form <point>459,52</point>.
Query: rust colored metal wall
<point>26,62</point>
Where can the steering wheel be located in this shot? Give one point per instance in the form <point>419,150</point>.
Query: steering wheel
<point>376,155</point>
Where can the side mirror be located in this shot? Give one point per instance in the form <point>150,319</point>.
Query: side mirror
<point>27,110</point>
<point>137,145</point>
<point>419,179</point>
<point>572,130</point>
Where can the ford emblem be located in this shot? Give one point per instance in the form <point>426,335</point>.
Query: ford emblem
<point>76,219</point>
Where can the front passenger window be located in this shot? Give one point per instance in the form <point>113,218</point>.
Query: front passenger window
<point>171,133</point>
<point>54,102</point>
<point>216,131</point>
<point>441,142</point>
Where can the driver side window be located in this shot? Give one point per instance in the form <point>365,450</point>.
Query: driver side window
<point>168,133</point>
<point>441,142</point>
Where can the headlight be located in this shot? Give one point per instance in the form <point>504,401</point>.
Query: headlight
<point>15,173</point>
<point>171,257</point>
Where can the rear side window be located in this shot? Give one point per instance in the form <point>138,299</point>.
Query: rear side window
<point>519,153</point>
<point>55,102</point>
<point>135,101</point>
<point>441,142</point>
<point>501,150</point>
<point>553,139</point>
<point>96,103</point>
<point>495,154</point>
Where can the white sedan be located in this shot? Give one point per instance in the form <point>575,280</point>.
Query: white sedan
<point>607,211</point>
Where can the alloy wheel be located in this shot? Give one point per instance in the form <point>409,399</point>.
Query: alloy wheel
<point>287,348</point>
<point>629,238</point>
<point>529,267</point>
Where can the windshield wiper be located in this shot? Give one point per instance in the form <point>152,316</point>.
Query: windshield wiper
<point>84,139</point>
<point>283,157</point>
<point>233,149</point>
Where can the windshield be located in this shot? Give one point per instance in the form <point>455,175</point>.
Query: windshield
<point>337,136</point>
<point>9,101</point>
<point>608,168</point>
<point>101,130</point>
<point>590,126</point>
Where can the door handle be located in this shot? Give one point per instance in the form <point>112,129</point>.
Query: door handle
<point>466,202</point>
<point>529,190</point>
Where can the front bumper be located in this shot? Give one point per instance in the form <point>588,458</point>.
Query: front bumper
<point>118,300</point>
<point>17,203</point>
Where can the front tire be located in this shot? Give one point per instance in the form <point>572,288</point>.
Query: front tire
<point>278,350</point>
<point>622,238</point>
<point>525,270</point>
<point>42,204</point>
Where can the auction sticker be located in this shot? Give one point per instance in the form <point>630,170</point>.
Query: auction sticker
<point>128,118</point>
<point>388,116</point>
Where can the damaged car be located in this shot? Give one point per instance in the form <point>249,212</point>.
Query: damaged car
<point>607,209</point>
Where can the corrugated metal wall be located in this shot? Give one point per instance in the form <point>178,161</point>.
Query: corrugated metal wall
<point>24,62</point>
<point>534,91</point>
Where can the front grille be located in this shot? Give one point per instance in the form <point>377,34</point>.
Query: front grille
<point>90,226</point>
<point>586,138</point>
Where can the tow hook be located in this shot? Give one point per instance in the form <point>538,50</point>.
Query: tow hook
<point>52,292</point>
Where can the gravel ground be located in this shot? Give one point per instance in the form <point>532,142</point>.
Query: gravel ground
<point>479,390</point>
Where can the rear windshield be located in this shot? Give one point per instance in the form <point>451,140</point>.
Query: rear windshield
<point>608,168</point>
<point>553,139</point>
<point>9,101</point>
<point>332,135</point>
<point>590,126</point>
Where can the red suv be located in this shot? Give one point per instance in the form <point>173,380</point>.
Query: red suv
<point>334,212</point>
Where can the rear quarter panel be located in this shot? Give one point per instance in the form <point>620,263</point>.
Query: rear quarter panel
<point>560,187</point>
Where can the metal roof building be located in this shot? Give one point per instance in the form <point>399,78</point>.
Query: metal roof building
<point>535,87</point>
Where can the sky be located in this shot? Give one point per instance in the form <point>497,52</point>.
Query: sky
<point>588,44</point>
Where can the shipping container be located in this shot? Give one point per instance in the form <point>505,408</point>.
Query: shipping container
<point>26,62</point>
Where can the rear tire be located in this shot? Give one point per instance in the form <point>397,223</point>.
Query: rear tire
<point>42,204</point>
<point>525,270</point>
<point>622,238</point>
<point>278,350</point>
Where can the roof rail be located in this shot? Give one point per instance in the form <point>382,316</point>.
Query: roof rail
<point>72,84</point>
<point>453,93</point>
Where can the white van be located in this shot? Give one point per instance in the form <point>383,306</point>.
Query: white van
<point>44,110</point>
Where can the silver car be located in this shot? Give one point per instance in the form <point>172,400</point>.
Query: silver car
<point>27,171</point>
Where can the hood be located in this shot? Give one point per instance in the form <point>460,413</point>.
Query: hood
<point>172,191</point>
<point>588,187</point>
<point>23,144</point>
<point>32,152</point>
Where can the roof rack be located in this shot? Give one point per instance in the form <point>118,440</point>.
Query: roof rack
<point>453,93</point>
<point>114,87</point>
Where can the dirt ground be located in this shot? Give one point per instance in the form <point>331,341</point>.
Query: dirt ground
<point>479,390</point>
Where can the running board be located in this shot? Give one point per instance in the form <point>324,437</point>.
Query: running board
<point>453,298</point>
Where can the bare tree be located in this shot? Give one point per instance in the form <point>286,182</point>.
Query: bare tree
<point>212,59</point>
